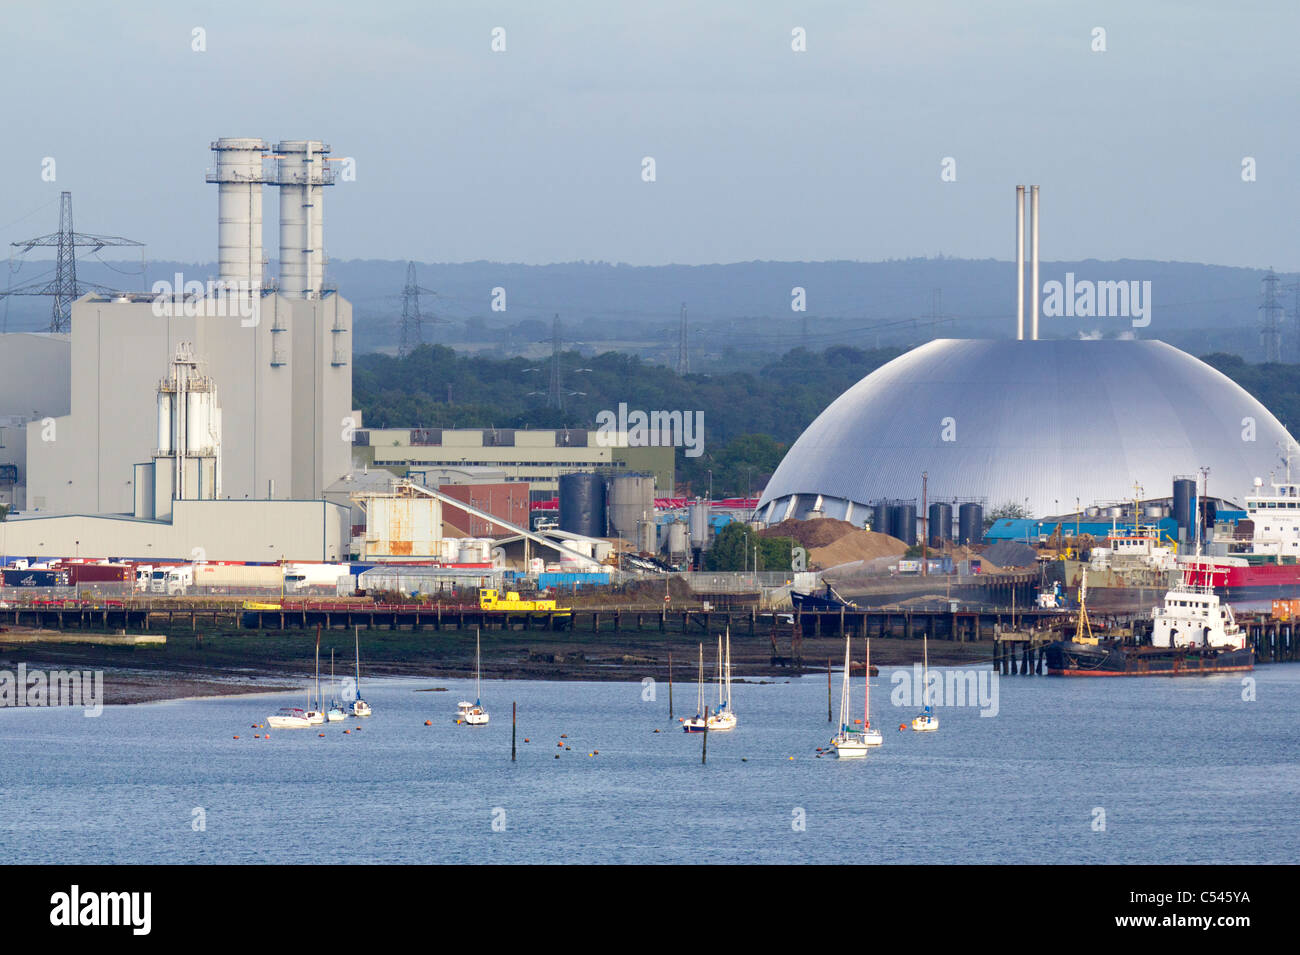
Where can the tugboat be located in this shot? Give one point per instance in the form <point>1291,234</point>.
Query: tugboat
<point>1193,634</point>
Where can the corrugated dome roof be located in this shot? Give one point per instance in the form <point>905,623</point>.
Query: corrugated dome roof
<point>1043,421</point>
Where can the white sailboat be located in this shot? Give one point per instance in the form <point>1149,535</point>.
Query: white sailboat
<point>359,706</point>
<point>473,713</point>
<point>314,716</point>
<point>334,712</point>
<point>872,737</point>
<point>696,723</point>
<point>927,722</point>
<point>289,718</point>
<point>848,743</point>
<point>724,718</point>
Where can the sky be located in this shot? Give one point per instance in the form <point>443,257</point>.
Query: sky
<point>535,154</point>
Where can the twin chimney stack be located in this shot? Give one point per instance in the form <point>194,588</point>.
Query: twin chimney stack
<point>301,170</point>
<point>1020,263</point>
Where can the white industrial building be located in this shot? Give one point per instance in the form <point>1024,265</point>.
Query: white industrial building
<point>109,463</point>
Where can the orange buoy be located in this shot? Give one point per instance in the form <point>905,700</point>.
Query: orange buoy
<point>428,722</point>
<point>564,736</point>
<point>596,753</point>
<point>525,739</point>
<point>347,732</point>
<point>321,735</point>
<point>901,727</point>
<point>236,737</point>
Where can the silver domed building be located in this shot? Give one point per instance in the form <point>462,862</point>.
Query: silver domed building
<point>1027,422</point>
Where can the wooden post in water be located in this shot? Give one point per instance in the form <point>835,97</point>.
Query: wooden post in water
<point>704,753</point>
<point>829,718</point>
<point>670,686</point>
<point>514,715</point>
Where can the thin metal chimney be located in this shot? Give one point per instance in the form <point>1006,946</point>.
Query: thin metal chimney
<point>1020,263</point>
<point>1033,270</point>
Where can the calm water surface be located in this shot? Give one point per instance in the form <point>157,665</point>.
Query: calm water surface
<point>1185,771</point>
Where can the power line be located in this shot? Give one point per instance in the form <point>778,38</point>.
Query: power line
<point>65,288</point>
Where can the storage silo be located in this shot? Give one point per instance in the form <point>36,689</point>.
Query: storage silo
<point>631,500</point>
<point>678,539</point>
<point>880,517</point>
<point>582,503</point>
<point>902,523</point>
<point>1184,495</point>
<point>970,524</point>
<point>698,517</point>
<point>938,526</point>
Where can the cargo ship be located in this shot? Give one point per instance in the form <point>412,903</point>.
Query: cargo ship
<point>1260,561</point>
<point>1193,634</point>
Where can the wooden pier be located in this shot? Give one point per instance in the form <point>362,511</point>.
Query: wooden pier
<point>1017,636</point>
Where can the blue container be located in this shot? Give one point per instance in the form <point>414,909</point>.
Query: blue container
<point>568,581</point>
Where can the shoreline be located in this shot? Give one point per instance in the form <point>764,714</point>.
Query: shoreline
<point>217,663</point>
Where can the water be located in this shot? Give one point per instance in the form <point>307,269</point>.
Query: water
<point>1185,771</point>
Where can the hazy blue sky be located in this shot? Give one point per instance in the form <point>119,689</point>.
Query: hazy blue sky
<point>534,155</point>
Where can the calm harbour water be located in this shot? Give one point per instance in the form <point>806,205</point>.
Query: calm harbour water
<point>1184,770</point>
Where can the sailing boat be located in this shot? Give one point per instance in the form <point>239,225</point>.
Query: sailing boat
<point>696,723</point>
<point>473,713</point>
<point>315,716</point>
<point>724,718</point>
<point>335,711</point>
<point>848,743</point>
<point>927,722</point>
<point>869,736</point>
<point>359,706</point>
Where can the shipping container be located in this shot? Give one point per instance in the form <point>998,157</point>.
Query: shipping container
<point>100,573</point>
<point>571,580</point>
<point>234,578</point>
<point>35,578</point>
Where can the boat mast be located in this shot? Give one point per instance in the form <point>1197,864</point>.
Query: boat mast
<point>699,687</point>
<point>356,632</point>
<point>720,672</point>
<point>728,668</point>
<point>866,691</point>
<point>478,669</point>
<point>318,667</point>
<point>844,691</point>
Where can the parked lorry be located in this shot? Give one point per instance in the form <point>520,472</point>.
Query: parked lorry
<point>306,578</point>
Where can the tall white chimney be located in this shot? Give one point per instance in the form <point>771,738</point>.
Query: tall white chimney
<point>1033,258</point>
<point>301,171</point>
<point>1020,263</point>
<point>238,175</point>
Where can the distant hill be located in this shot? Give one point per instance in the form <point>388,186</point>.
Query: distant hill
<point>743,308</point>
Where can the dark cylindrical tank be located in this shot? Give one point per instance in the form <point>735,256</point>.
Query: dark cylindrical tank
<point>582,504</point>
<point>939,523</point>
<point>970,524</point>
<point>1184,494</point>
<point>880,517</point>
<point>902,522</point>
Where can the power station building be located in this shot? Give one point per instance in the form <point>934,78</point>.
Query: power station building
<point>106,458</point>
